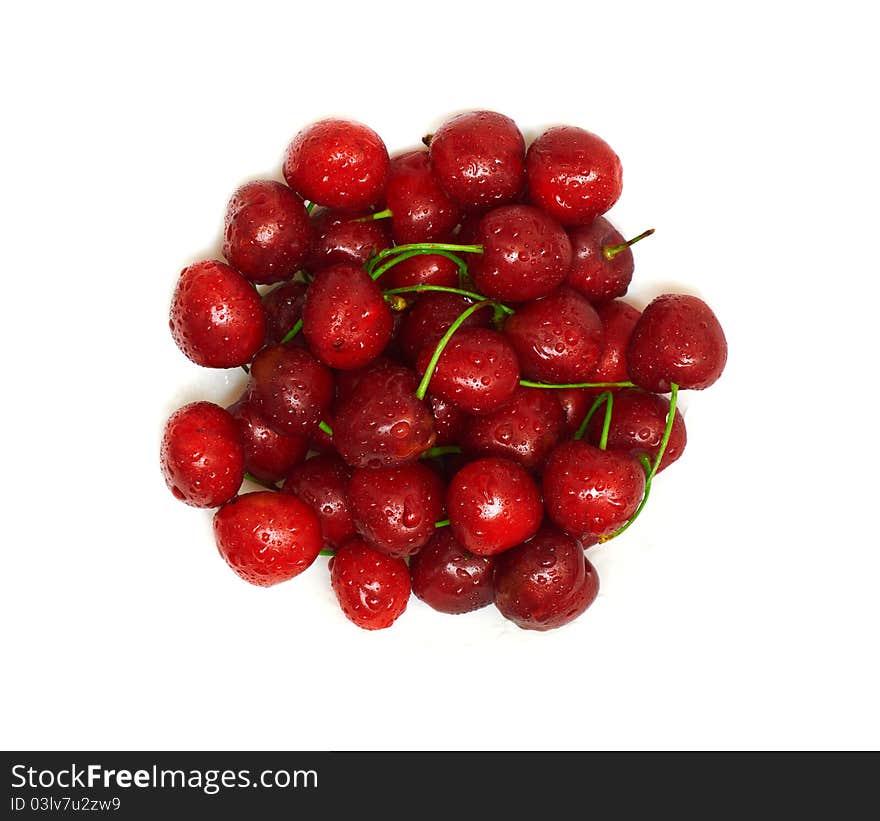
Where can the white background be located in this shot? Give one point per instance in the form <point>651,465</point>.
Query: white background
<point>741,611</point>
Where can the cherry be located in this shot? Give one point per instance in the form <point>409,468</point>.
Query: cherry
<point>291,389</point>
<point>545,582</point>
<point>268,233</point>
<point>345,237</point>
<point>422,269</point>
<point>217,319</point>
<point>638,422</point>
<point>322,483</point>
<point>395,508</point>
<point>346,320</point>
<point>478,159</point>
<point>449,420</point>
<point>526,254</point>
<point>347,381</point>
<point>321,440</point>
<point>337,163</point>
<point>372,588</point>
<point>493,504</point>
<point>590,492</point>
<point>477,370</point>
<point>618,320</point>
<point>573,175</point>
<point>676,340</point>
<point>558,338</point>
<point>284,307</point>
<point>449,578</point>
<point>383,423</point>
<point>575,403</point>
<point>202,455</point>
<point>431,316</point>
<point>526,429</point>
<point>268,455</point>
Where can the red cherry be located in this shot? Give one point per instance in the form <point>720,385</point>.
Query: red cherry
<point>449,420</point>
<point>283,306</point>
<point>493,504</point>
<point>268,233</point>
<point>677,339</point>
<point>322,483</point>
<point>372,588</point>
<point>395,508</point>
<point>217,319</point>
<point>618,320</point>
<point>526,429</point>
<point>420,210</point>
<point>267,537</point>
<point>592,273</point>
<point>545,582</point>
<point>573,175</point>
<point>575,403</point>
<point>590,492</point>
<point>337,163</point>
<point>319,440</point>
<point>346,320</point>
<point>347,381</point>
<point>422,269</point>
<point>477,371</point>
<point>291,389</point>
<point>558,338</point>
<point>431,316</point>
<point>202,455</point>
<point>267,455</point>
<point>478,159</point>
<point>343,237</point>
<point>526,254</point>
<point>449,578</point>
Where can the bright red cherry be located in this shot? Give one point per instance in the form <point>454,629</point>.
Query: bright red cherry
<point>618,321</point>
<point>284,307</point>
<point>449,420</point>
<point>341,236</point>
<point>431,316</point>
<point>422,269</point>
<point>420,209</point>
<point>322,483</point>
<point>602,262</point>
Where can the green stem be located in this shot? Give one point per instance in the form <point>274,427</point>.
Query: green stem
<point>611,251</point>
<point>292,332</point>
<point>442,450</point>
<point>268,485</point>
<point>527,384</point>
<point>327,552</point>
<point>421,289</point>
<point>648,479</point>
<point>462,265</point>
<point>606,425</point>
<point>593,408</point>
<point>379,215</point>
<point>310,206</point>
<point>427,247</point>
<point>326,428</point>
<point>442,523</point>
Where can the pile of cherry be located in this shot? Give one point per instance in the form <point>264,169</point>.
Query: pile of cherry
<point>445,392</point>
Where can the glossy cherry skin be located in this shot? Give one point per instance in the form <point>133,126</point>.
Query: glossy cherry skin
<point>268,455</point>
<point>557,339</point>
<point>573,175</point>
<point>422,269</point>
<point>590,492</point>
<point>322,483</point>
<point>431,316</point>
<point>267,537</point>
<point>217,319</point>
<point>526,429</point>
<point>449,578</point>
<point>618,321</point>
<point>284,306</point>
<point>526,254</point>
<point>493,504</point>
<point>677,339</point>
<point>478,159</point>
<point>592,273</point>
<point>337,163</point>
<point>340,236</point>
<point>346,320</point>
<point>383,424</point>
<point>202,455</point>
<point>449,420</point>
<point>291,389</point>
<point>395,508</point>
<point>347,382</point>
<point>545,582</point>
<point>638,422</point>
<point>421,211</point>
<point>575,402</point>
<point>477,371</point>
<point>372,588</point>
<point>268,232</point>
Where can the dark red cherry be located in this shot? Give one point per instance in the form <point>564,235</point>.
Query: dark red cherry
<point>526,254</point>
<point>545,582</point>
<point>422,269</point>
<point>322,483</point>
<point>618,320</point>
<point>202,455</point>
<point>346,320</point>
<point>341,236</point>
<point>590,492</point>
<point>420,209</point>
<point>477,371</point>
<point>592,273</point>
<point>319,440</point>
<point>557,339</point>
<point>478,159</point>
<point>337,163</point>
<point>677,339</point>
<point>217,319</point>
<point>449,578</point>
<point>575,403</point>
<point>493,504</point>
<point>573,175</point>
<point>267,537</point>
<point>291,389</point>
<point>268,232</point>
<point>395,508</point>
<point>348,381</point>
<point>383,423</point>
<point>449,420</point>
<point>283,306</point>
<point>431,316</point>
<point>526,429</point>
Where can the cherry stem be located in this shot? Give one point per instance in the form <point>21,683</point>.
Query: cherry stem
<point>649,476</point>
<point>419,289</point>
<point>327,552</point>
<point>593,408</point>
<point>326,428</point>
<point>527,384</point>
<point>246,369</point>
<point>611,251</point>
<point>427,247</point>
<point>292,332</point>
<point>310,206</point>
<point>462,265</point>
<point>442,450</point>
<point>444,341</point>
<point>442,523</point>
<point>606,425</point>
<point>379,215</point>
